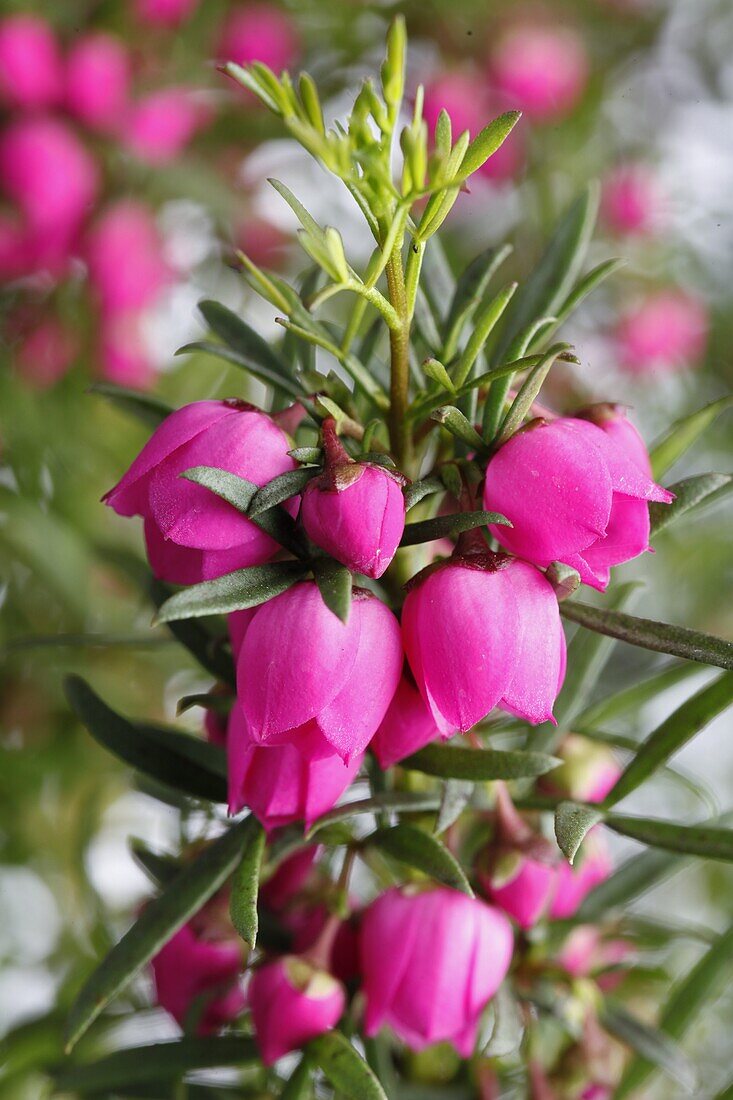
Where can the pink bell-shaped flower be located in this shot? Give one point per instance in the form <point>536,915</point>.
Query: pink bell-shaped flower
<point>197,972</point>
<point>181,516</point>
<point>292,1001</point>
<point>354,511</point>
<point>98,81</point>
<point>574,493</point>
<point>592,866</point>
<point>407,726</point>
<point>305,678</point>
<point>588,771</point>
<point>431,961</point>
<point>30,63</point>
<point>483,630</point>
<point>277,783</point>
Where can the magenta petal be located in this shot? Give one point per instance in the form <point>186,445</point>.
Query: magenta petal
<point>540,658</point>
<point>182,565</point>
<point>460,635</point>
<point>295,659</point>
<point>527,896</point>
<point>627,439</point>
<point>594,578</point>
<point>553,487</point>
<point>406,727</point>
<point>238,624</point>
<point>350,720</point>
<point>627,535</point>
<point>129,496</point>
<point>627,476</point>
<point>391,918</point>
<point>246,443</point>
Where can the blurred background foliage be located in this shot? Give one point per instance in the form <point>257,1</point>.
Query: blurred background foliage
<point>656,91</point>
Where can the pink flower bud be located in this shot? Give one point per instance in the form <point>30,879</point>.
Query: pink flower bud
<point>465,95</point>
<point>292,1002</point>
<point>542,70</point>
<point>160,126</point>
<point>592,866</point>
<point>407,726</point>
<point>353,511</point>
<point>431,960</point>
<point>98,81</point>
<point>588,771</point>
<point>180,515</point>
<point>278,784</point>
<point>573,495</point>
<point>30,63</point>
<point>46,353</point>
<point>259,32</point>
<point>631,201</point>
<point>164,13</point>
<point>464,662</point>
<point>306,679</point>
<point>666,332</point>
<point>199,974</point>
<point>522,887</point>
<point>50,176</point>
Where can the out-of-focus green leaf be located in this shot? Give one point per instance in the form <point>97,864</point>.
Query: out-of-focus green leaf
<point>233,592</point>
<point>470,291</point>
<point>418,849</point>
<point>650,1042</point>
<point>229,355</point>
<point>456,794</point>
<point>632,879</point>
<point>402,801</point>
<point>706,841</point>
<point>246,882</point>
<point>344,1067</point>
<point>254,352</point>
<point>702,985</point>
<point>678,641</point>
<point>478,765</point>
<point>682,434</point>
<point>159,920</point>
<point>210,650</point>
<point>630,700</point>
<point>441,527</point>
<point>572,823</point>
<point>159,867</point>
<point>190,765</point>
<point>335,583</point>
<point>164,1061</point>
<point>673,733</point>
<point>299,1086</point>
<point>146,407</point>
<point>689,494</point>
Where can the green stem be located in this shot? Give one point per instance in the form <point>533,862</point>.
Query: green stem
<point>399,342</point>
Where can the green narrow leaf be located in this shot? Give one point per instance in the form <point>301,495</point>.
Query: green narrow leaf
<point>335,583</point>
<point>344,1067</point>
<point>479,765</point>
<point>440,527</point>
<point>401,801</point>
<point>418,849</point>
<point>674,732</point>
<point>630,700</point>
<point>415,492</point>
<point>703,984</point>
<point>572,824</point>
<point>528,393</point>
<point>280,489</point>
<point>233,592</point>
<point>230,355</point>
<point>705,841</point>
<point>210,650</point>
<point>653,1044</point>
<point>185,763</point>
<point>689,494</point>
<point>159,920</point>
<point>455,422</point>
<point>242,339</point>
<point>632,879</point>
<point>159,867</point>
<point>469,293</point>
<point>246,883</point>
<point>579,293</point>
<point>486,319</point>
<point>485,144</point>
<point>243,495</point>
<point>678,641</point>
<point>157,1062</point>
<point>298,1086</point>
<point>146,407</point>
<point>454,799</point>
<point>682,434</point>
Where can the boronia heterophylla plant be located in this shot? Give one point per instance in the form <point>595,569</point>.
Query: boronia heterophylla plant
<point>375,573</point>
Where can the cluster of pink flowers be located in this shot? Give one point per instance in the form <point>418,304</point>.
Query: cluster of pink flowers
<point>480,629</point>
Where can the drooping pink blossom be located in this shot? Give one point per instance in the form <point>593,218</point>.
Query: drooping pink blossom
<point>521,887</point>
<point>181,515</point>
<point>159,127</point>
<point>309,680</point>
<point>540,69</point>
<point>573,494</point>
<point>482,631</point>
<point>164,13</point>
<point>98,81</point>
<point>278,784</point>
<point>592,866</point>
<point>354,511</point>
<point>30,63</point>
<point>588,771</point>
<point>407,726</point>
<point>630,200</point>
<point>469,101</point>
<point>292,1002</point>
<point>197,973</point>
<point>666,332</point>
<point>259,32</point>
<point>586,951</point>
<point>431,960</point>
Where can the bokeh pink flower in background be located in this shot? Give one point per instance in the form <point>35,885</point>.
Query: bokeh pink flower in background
<point>665,332</point>
<point>198,974</point>
<point>259,32</point>
<point>98,75</point>
<point>541,69</point>
<point>159,126</point>
<point>631,202</point>
<point>31,70</point>
<point>164,13</point>
<point>292,1001</point>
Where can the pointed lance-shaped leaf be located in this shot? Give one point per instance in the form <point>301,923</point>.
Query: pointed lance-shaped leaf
<point>344,1068</point>
<point>209,649</point>
<point>479,765</point>
<point>705,841</point>
<point>485,144</point>
<point>455,422</point>
<point>689,493</point>
<point>572,823</point>
<point>528,393</point>
<point>653,1044</point>
<point>470,292</point>
<point>422,851</point>
<point>243,339</point>
<point>233,592</point>
<point>244,495</point>
<point>146,407</point>
<point>158,866</point>
<point>678,438</point>
<point>440,527</point>
<point>456,794</point>
<point>335,583</point>
<point>630,700</point>
<point>230,355</point>
<point>417,490</point>
<point>246,882</point>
